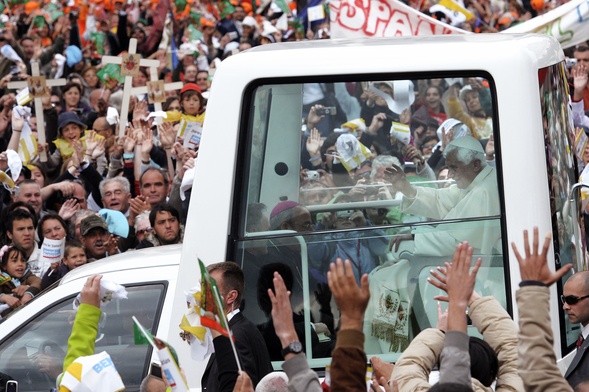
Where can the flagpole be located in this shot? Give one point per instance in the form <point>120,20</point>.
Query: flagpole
<point>224,316</point>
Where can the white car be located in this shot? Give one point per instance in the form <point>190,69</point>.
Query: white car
<point>33,340</point>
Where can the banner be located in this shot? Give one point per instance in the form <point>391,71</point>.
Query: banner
<point>382,18</point>
<point>569,23</point>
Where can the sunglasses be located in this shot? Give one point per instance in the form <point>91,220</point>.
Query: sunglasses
<point>141,232</point>
<point>571,299</point>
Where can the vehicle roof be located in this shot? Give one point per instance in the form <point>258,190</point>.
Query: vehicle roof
<point>134,259</point>
<point>401,54</point>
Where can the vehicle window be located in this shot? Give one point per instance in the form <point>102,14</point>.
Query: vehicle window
<point>34,354</point>
<point>562,175</point>
<point>390,174</point>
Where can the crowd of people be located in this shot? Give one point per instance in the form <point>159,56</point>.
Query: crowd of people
<point>99,193</point>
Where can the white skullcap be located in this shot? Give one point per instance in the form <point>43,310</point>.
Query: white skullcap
<point>468,143</point>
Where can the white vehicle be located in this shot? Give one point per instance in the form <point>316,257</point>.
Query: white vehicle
<point>252,151</point>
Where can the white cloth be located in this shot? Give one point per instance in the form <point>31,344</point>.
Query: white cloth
<point>35,264</point>
<point>479,199</point>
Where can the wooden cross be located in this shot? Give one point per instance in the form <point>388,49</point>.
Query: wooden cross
<point>167,87</point>
<point>127,87</point>
<point>38,102</point>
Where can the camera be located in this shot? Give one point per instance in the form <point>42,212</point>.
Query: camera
<point>313,175</point>
<point>570,62</point>
<point>345,214</point>
<point>326,111</point>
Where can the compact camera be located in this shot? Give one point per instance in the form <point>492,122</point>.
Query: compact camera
<point>326,111</point>
<point>313,175</point>
<point>345,214</point>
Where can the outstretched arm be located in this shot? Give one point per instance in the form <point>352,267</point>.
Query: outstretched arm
<point>537,362</point>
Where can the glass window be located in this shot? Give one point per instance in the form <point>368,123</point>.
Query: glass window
<point>34,354</point>
<point>567,235</point>
<point>389,173</point>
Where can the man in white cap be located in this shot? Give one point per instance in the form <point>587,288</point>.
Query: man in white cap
<point>474,194</point>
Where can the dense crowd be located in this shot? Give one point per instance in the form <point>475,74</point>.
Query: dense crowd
<point>98,193</point>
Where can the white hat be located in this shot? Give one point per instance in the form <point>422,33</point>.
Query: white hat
<point>467,143</point>
<point>249,21</point>
<point>230,46</point>
<point>92,373</point>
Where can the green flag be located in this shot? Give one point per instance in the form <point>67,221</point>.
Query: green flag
<point>180,5</point>
<point>141,336</point>
<point>195,17</point>
<point>225,9</point>
<point>194,33</point>
<point>282,5</point>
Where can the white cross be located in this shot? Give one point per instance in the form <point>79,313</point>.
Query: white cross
<point>127,87</point>
<point>167,87</point>
<point>38,104</point>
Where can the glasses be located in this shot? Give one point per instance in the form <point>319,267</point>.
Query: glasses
<point>144,231</point>
<point>571,299</point>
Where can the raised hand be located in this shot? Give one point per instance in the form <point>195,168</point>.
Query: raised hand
<point>282,311</point>
<point>534,265</point>
<point>91,142</point>
<point>314,143</point>
<point>69,209</point>
<point>166,135</point>
<point>350,298</point>
<point>99,149</point>
<point>90,293</point>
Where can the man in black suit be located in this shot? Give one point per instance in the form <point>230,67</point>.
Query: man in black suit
<point>221,371</point>
<point>576,304</point>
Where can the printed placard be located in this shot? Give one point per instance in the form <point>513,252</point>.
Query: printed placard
<point>192,135</point>
<point>156,92</point>
<point>130,65</point>
<point>37,87</point>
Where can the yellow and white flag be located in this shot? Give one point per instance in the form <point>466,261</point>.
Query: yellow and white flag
<point>27,145</point>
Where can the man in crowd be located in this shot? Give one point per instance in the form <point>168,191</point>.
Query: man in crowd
<point>97,241</point>
<point>155,186</point>
<point>29,192</point>
<point>221,371</point>
<point>474,195</point>
<point>20,230</point>
<point>576,306</point>
<point>116,194</point>
<point>581,54</point>
<point>165,222</point>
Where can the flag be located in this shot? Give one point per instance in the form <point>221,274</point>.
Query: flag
<point>225,9</point>
<point>141,336</point>
<point>453,6</point>
<point>211,303</point>
<point>175,61</point>
<point>27,145</point>
<point>282,5</point>
<point>166,354</point>
<point>207,310</point>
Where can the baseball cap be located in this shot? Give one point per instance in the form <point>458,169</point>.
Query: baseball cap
<point>91,222</point>
<point>190,87</point>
